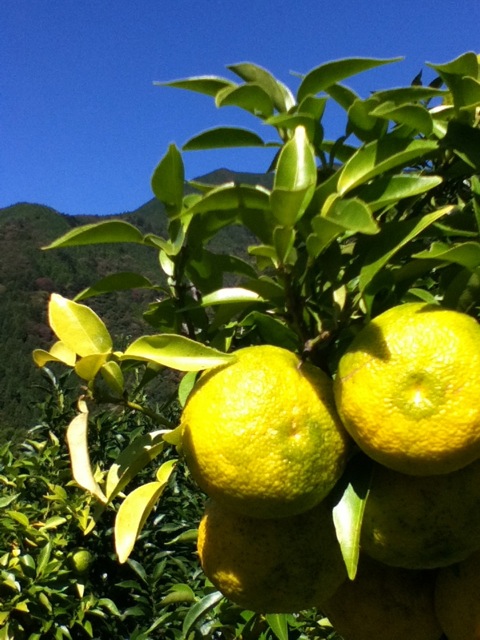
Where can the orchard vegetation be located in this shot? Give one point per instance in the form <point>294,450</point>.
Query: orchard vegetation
<point>387,213</point>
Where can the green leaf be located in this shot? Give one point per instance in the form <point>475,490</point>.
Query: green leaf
<point>404,95</point>
<point>131,461</point>
<point>387,190</point>
<point>229,295</point>
<point>232,197</point>
<point>392,238</point>
<point>168,180</point>
<point>350,214</point>
<point>466,254</point>
<point>222,137</point>
<point>413,115</point>
<point>348,511</point>
<point>113,376</point>
<point>280,95</point>
<point>295,179</point>
<point>208,85</point>
<point>134,511</point>
<point>362,123</point>
<point>110,231</point>
<point>178,593</point>
<point>78,327</point>
<point>278,624</point>
<point>88,367</point>
<point>80,458</point>
<point>200,609</point>
<point>284,239</point>
<point>322,77</point>
<point>465,65</point>
<point>58,352</point>
<point>380,156</point>
<point>176,352</point>
<point>251,97</point>
<point>116,282</point>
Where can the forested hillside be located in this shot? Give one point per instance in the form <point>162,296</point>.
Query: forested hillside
<point>28,275</point>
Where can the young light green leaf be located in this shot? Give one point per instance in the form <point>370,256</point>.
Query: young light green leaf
<point>464,65</point>
<point>222,137</point>
<point>178,593</point>
<point>88,366</point>
<point>279,93</point>
<point>413,115</point>
<point>348,511</point>
<point>231,197</point>
<point>391,239</point>
<point>350,214</point>
<point>176,351</point>
<point>185,387</point>
<point>284,239</point>
<point>380,156</point>
<point>78,327</point>
<point>322,77</point>
<point>58,352</point>
<point>208,85</point>
<point>132,460</point>
<point>80,458</point>
<point>133,513</point>
<point>110,231</point>
<point>278,624</point>
<point>116,282</point>
<point>168,181</point>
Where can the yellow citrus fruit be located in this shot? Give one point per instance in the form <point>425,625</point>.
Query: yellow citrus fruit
<point>278,565</point>
<point>422,522</point>
<point>261,434</point>
<point>407,389</point>
<point>457,599</point>
<point>385,603</point>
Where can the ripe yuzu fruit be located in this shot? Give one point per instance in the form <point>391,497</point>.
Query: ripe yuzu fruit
<point>407,389</point>
<point>279,565</point>
<point>384,603</point>
<point>421,522</point>
<point>261,433</point>
<point>457,599</point>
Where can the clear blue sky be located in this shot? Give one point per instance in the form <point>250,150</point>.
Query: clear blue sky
<point>82,126</point>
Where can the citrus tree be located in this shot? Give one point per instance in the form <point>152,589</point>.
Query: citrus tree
<point>346,229</point>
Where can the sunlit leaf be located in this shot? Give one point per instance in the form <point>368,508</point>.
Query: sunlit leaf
<point>229,295</point>
<point>222,137</point>
<point>330,73</point>
<point>466,254</point>
<point>58,352</point>
<point>278,624</point>
<point>177,352</point>
<point>386,190</point>
<point>208,85</point>
<point>380,156</point>
<point>78,327</point>
<point>280,94</point>
<point>413,115</point>
<point>79,456</point>
<point>113,376</point>
<point>134,511</point>
<point>351,214</point>
<point>348,511</point>
<point>251,97</point>
<point>199,609</point>
<point>88,366</point>
<point>110,231</point>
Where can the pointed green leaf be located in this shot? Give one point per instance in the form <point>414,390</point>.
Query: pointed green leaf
<point>280,94</point>
<point>78,327</point>
<point>387,190</point>
<point>222,137</point>
<point>168,180</point>
<point>251,97</point>
<point>349,510</point>
<point>283,238</point>
<point>200,609</point>
<point>350,214</point>
<point>229,295</point>
<point>404,95</point>
<point>380,156</point>
<point>178,593</point>
<point>132,460</point>
<point>176,352</point>
<point>391,239</point>
<point>278,624</point>
<point>113,376</point>
<point>43,558</point>
<point>80,458</point>
<point>413,115</point>
<point>133,514</point>
<point>362,123</point>
<point>110,231</point>
<point>466,254</point>
<point>344,96</point>
<point>116,282</point>
<point>231,197</point>
<point>208,85</point>
<point>465,65</point>
<point>330,73</point>
<point>58,352</point>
